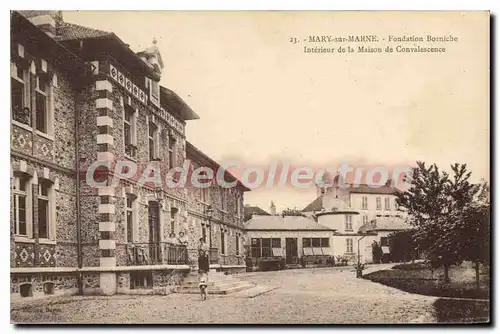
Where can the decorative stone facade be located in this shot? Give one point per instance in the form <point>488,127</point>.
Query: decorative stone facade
<point>104,106</point>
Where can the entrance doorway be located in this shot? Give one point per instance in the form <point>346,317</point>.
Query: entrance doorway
<point>154,231</point>
<point>291,251</point>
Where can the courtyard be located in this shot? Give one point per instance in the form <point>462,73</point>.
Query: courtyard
<point>312,296</point>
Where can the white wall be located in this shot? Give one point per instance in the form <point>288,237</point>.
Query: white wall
<point>372,211</point>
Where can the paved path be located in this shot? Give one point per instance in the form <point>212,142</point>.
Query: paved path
<point>327,295</point>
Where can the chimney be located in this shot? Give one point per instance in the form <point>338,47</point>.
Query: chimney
<point>47,20</point>
<point>273,209</point>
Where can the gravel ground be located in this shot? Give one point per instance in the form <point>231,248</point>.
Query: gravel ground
<point>330,295</point>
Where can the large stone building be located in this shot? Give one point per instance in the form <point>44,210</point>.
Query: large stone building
<point>81,99</point>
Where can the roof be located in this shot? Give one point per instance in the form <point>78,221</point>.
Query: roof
<point>46,46</point>
<point>172,100</point>
<point>370,189</point>
<point>254,210</point>
<point>316,205</point>
<point>287,223</point>
<point>194,152</point>
<point>67,31</point>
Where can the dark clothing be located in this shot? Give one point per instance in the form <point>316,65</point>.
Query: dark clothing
<point>203,264</point>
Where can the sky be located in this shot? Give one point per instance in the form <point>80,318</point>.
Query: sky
<point>260,98</point>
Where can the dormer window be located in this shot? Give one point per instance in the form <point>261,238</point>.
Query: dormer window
<point>154,91</point>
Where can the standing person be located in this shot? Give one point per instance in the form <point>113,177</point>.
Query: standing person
<point>183,242</point>
<point>183,239</point>
<point>203,245</point>
<point>203,268</point>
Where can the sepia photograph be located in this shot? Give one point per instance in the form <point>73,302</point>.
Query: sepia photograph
<point>250,167</point>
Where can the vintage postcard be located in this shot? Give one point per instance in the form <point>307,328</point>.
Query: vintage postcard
<point>250,167</point>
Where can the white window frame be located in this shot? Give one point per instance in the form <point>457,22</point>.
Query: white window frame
<point>365,219</point>
<point>174,212</point>
<point>155,99</point>
<point>348,223</point>
<point>364,203</point>
<point>238,206</point>
<point>349,245</point>
<point>172,159</point>
<point>132,126</point>
<point>387,203</point>
<point>51,208</point>
<point>379,203</point>
<point>25,80</point>
<point>48,92</point>
<point>133,209</point>
<point>205,195</point>
<point>28,194</point>
<point>155,137</point>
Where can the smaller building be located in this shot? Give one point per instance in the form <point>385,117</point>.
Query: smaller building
<point>288,237</point>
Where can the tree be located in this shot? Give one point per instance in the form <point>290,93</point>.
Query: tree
<point>291,212</point>
<point>475,231</point>
<point>439,207</point>
<point>403,246</point>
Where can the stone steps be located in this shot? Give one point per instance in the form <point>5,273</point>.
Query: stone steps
<point>218,283</point>
<point>218,290</point>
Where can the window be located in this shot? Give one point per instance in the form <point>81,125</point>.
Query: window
<point>306,242</point>
<point>222,243</point>
<point>171,152</point>
<point>387,201</point>
<point>42,105</point>
<point>266,247</point>
<point>364,203</point>
<point>141,279</point>
<point>315,242</point>
<point>222,199</point>
<point>237,245</point>
<point>21,205</point>
<point>379,203</point>
<point>204,233</point>
<point>349,246</point>
<point>396,206</point>
<point>365,219</point>
<point>19,95</point>
<point>348,223</point>
<point>348,201</point>
<point>154,92</point>
<point>129,130</point>
<point>204,195</point>
<point>44,209</point>
<point>130,217</point>
<point>276,243</point>
<point>325,242</point>
<point>153,142</point>
<point>238,206</point>
<point>204,192</point>
<point>173,215</point>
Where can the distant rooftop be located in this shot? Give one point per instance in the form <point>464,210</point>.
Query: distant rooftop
<point>287,223</point>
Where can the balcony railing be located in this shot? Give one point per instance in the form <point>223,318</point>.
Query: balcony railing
<point>141,254</point>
